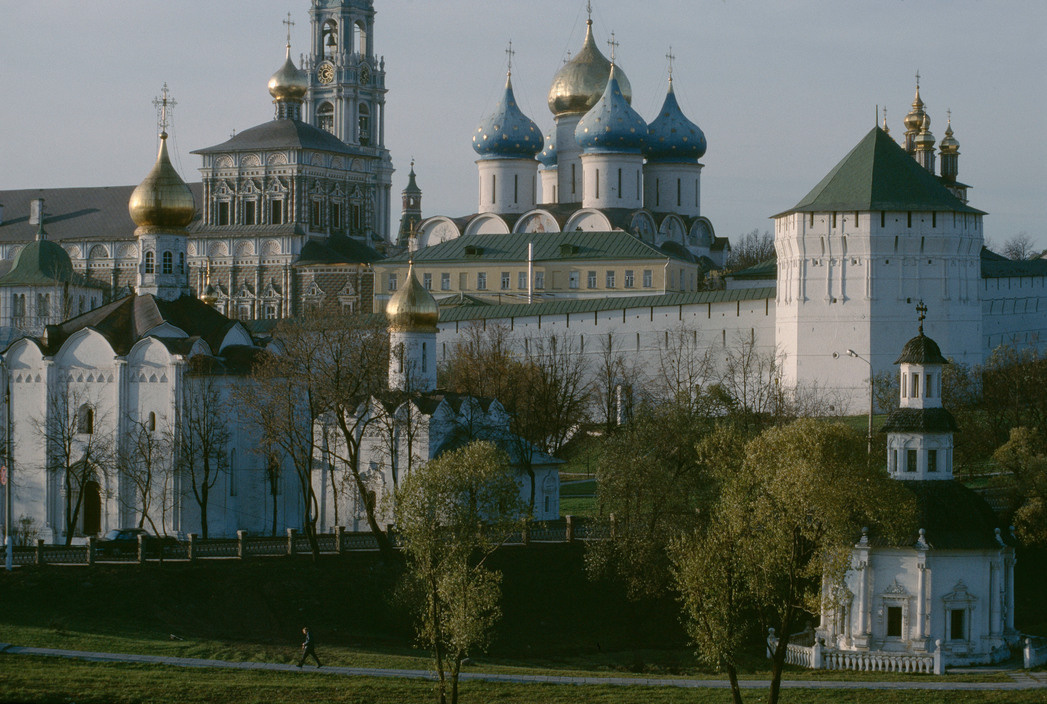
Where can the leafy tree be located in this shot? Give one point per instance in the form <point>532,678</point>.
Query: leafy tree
<point>751,249</point>
<point>1024,455</point>
<point>452,513</point>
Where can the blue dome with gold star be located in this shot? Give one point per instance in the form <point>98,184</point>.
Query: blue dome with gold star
<point>507,133</point>
<point>547,157</point>
<point>672,137</point>
<point>612,125</point>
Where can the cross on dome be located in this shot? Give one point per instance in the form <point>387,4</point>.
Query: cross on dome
<point>671,57</point>
<point>510,53</point>
<point>921,310</point>
<point>613,43</point>
<point>163,104</point>
<point>917,78</point>
<point>589,9</point>
<point>290,23</point>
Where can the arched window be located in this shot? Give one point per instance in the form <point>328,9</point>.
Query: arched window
<point>85,420</point>
<point>150,266</point>
<point>168,261</point>
<point>19,311</point>
<point>360,38</point>
<point>329,37</point>
<point>364,122</point>
<point>325,117</point>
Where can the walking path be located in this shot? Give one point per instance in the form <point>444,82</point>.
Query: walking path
<point>1022,679</point>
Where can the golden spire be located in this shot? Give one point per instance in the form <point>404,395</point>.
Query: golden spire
<point>412,308</point>
<point>162,201</point>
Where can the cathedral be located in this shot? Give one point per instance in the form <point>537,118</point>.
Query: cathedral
<point>291,212</point>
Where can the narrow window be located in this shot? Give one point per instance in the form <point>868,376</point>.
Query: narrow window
<point>834,220</point>
<point>894,622</point>
<point>539,279</point>
<point>249,213</point>
<point>521,280</point>
<point>657,191</point>
<point>494,188</point>
<point>516,188</point>
<point>679,193</point>
<point>336,216</point>
<point>619,183</point>
<point>928,389</point>
<point>573,279</point>
<point>591,279</point>
<point>181,262</point>
<point>427,282</point>
<point>506,279</point>
<point>364,125</point>
<point>151,425</point>
<point>316,213</point>
<point>223,213</point>
<point>168,263</point>
<point>425,359</point>
<point>883,219</point>
<point>392,282</point>
<point>628,278</point>
<point>445,282</point>
<point>150,265</point>
<point>893,461</point>
<point>85,420</point>
<point>648,278</point>
<point>597,183</point>
<point>957,627</point>
<point>276,212</point>
<point>909,219</point>
<point>812,220</point>
<point>910,460</point>
<point>610,279</point>
<point>932,460</point>
<point>400,358</point>
<point>915,385</point>
<point>481,281</point>
<point>573,191</point>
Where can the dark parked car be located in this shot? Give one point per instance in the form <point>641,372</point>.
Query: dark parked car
<point>124,542</point>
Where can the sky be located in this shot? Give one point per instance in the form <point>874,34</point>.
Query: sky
<point>782,90</point>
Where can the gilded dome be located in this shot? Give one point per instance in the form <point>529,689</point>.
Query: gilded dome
<point>914,120</point>
<point>925,139</point>
<point>949,143</point>
<point>581,81</point>
<point>162,200</point>
<point>507,133</point>
<point>288,83</point>
<point>412,308</point>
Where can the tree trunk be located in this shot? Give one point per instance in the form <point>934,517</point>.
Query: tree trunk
<point>272,492</point>
<point>736,691</point>
<point>457,668</point>
<point>778,663</point>
<point>203,512</point>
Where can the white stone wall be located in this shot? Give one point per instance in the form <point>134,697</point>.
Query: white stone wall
<point>507,185</point>
<point>1014,312</point>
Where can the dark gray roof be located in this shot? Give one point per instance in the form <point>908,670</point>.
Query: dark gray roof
<point>954,517</point>
<point>921,350</point>
<point>282,134</point>
<point>764,270</point>
<point>593,305</point>
<point>74,213</point>
<point>997,266</point>
<point>920,420</point>
<point>337,250</point>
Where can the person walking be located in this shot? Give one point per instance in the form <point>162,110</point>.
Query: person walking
<point>308,648</point>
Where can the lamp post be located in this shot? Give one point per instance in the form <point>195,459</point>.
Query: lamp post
<point>854,354</point>
<point>8,478</point>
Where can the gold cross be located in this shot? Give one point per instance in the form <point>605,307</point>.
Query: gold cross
<point>921,309</point>
<point>614,45</point>
<point>163,104</point>
<point>589,9</point>
<point>510,53</point>
<point>290,23</point>
<point>671,57</point>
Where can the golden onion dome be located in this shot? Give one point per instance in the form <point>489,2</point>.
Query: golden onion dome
<point>949,143</point>
<point>412,308</point>
<point>914,120</point>
<point>925,140</point>
<point>162,200</point>
<point>580,83</point>
<point>288,83</point>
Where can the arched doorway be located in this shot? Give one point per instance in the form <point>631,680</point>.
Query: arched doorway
<point>92,508</point>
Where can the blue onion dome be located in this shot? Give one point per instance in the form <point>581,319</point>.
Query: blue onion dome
<point>612,125</point>
<point>547,157</point>
<point>507,133</point>
<point>580,82</point>
<point>672,137</point>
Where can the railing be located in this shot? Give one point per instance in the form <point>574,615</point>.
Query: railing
<point>817,656</point>
<point>564,530</point>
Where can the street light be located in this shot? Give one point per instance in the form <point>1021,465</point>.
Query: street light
<point>8,478</point>
<point>854,354</point>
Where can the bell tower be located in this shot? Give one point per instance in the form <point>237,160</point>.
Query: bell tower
<point>346,95</point>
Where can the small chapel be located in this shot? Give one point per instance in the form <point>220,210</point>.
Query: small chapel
<point>948,587</point>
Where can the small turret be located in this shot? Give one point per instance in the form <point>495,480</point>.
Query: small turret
<point>413,314</point>
<point>950,151</point>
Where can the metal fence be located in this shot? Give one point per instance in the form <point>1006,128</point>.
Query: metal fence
<point>565,530</point>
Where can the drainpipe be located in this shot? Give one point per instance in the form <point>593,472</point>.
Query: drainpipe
<point>530,271</point>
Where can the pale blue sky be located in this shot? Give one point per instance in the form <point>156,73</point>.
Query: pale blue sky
<point>782,89</point>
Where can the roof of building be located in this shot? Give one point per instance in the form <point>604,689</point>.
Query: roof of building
<point>39,263</point>
<point>612,126</point>
<point>764,270</point>
<point>953,517</point>
<point>561,306</point>
<point>548,246</point>
<point>126,320</point>
<point>920,420</point>
<point>879,175</point>
<point>921,350</point>
<point>281,134</point>
<point>520,451</point>
<point>507,133</point>
<point>672,136</point>
<point>997,266</point>
<point>336,250</point>
<point>581,80</point>
<point>98,212</point>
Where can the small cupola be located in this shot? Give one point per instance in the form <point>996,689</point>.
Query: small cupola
<point>288,87</point>
<point>507,133</point>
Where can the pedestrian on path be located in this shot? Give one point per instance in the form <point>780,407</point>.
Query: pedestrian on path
<point>308,648</point>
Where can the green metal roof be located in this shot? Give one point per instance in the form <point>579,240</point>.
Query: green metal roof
<point>548,246</point>
<point>879,175</point>
<point>764,270</point>
<point>39,263</point>
<point>593,305</point>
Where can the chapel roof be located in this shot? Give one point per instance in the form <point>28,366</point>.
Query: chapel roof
<point>336,250</point>
<point>953,517</point>
<point>126,320</point>
<point>921,350</point>
<point>879,175</point>
<point>920,420</point>
<point>40,263</point>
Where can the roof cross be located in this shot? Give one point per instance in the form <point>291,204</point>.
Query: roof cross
<point>290,23</point>
<point>589,9</point>
<point>163,104</point>
<point>917,78</point>
<point>671,57</point>
<point>510,53</point>
<point>613,43</point>
<point>921,309</point>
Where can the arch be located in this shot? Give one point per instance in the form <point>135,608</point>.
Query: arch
<point>244,248</point>
<point>642,225</point>
<point>436,230</point>
<point>218,249</point>
<point>150,263</point>
<point>127,251</point>
<point>85,419</point>
<point>73,251</point>
<point>672,229</point>
<point>277,159</point>
<point>702,232</point>
<point>329,38</point>
<point>487,224</point>
<point>588,220</point>
<point>99,251</point>
<point>251,160</point>
<point>360,38</point>
<point>537,221</point>
<point>271,247</point>
<point>92,508</point>
<point>223,162</point>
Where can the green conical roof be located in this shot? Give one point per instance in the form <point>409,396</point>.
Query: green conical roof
<point>879,175</point>
<point>39,263</point>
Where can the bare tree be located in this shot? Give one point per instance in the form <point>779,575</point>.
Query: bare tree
<point>201,436</point>
<point>751,249</point>
<point>144,461</point>
<point>1020,247</point>
<point>613,382</point>
<point>75,449</point>
<point>686,370</point>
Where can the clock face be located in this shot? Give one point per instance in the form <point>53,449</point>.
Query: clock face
<point>365,73</point>
<point>325,74</point>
